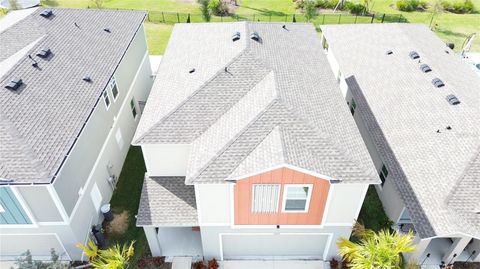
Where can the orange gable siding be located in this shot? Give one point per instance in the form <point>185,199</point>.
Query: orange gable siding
<point>243,199</point>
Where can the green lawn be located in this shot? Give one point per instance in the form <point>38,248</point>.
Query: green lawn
<point>372,214</point>
<point>127,197</point>
<point>157,37</point>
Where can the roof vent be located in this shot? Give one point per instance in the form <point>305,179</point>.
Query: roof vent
<point>451,45</point>
<point>389,52</point>
<point>236,36</point>
<point>452,99</point>
<point>43,53</point>
<point>14,84</point>
<point>46,13</point>
<point>413,55</point>
<point>87,79</point>
<point>425,68</point>
<point>254,36</point>
<point>437,82</point>
<point>191,70</point>
<point>107,30</point>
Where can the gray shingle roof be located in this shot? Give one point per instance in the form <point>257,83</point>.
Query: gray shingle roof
<point>243,91</point>
<point>436,173</point>
<point>167,201</point>
<point>41,122</point>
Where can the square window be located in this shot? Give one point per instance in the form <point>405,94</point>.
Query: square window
<point>296,198</point>
<point>265,198</point>
<point>114,88</point>
<point>134,108</point>
<point>383,174</point>
<point>106,99</point>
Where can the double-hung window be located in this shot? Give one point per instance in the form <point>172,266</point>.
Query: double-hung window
<point>106,99</point>
<point>265,198</point>
<point>383,174</point>
<point>113,87</point>
<point>353,106</point>
<point>296,197</point>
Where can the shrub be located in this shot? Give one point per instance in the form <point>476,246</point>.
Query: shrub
<point>218,7</point>
<point>213,264</point>
<point>458,6</point>
<point>333,264</point>
<point>411,5</point>
<point>355,8</point>
<point>310,10</point>
<point>198,265</point>
<point>326,4</point>
<point>204,9</point>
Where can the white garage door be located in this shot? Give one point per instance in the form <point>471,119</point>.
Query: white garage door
<point>248,246</point>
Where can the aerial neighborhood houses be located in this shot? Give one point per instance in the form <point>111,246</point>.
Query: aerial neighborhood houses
<point>260,140</point>
<point>72,83</point>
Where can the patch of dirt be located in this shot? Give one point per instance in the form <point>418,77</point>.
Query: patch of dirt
<point>119,224</point>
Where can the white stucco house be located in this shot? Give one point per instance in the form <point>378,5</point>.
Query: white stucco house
<point>416,104</point>
<point>251,152</point>
<point>72,86</point>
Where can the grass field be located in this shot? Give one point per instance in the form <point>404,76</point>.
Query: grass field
<point>450,27</point>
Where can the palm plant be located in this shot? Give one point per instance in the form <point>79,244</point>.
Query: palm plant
<point>115,257</point>
<point>375,250</point>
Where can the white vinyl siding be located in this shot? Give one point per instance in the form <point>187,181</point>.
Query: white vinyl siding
<point>265,198</point>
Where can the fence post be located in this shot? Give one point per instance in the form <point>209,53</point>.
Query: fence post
<point>373,17</point>
<point>323,21</point>
<point>163,17</point>
<point>356,16</point>
<point>383,17</point>
<point>178,17</point>
<point>339,18</point>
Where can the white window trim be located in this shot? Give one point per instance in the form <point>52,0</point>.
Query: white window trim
<point>277,198</point>
<point>307,204</point>
<point>105,99</point>
<point>111,88</point>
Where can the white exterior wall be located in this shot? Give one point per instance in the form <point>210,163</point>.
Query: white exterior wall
<point>344,203</point>
<point>166,160</point>
<point>215,210</point>
<point>95,150</point>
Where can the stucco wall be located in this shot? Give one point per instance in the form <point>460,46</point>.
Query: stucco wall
<point>213,203</point>
<point>40,202</point>
<point>166,160</point>
<point>345,202</point>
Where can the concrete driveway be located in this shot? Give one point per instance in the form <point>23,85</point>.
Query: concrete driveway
<point>272,264</point>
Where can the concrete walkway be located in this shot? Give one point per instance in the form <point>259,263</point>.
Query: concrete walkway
<point>272,264</point>
<point>182,263</point>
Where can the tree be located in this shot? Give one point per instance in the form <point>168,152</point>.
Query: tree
<point>115,257</point>
<point>98,3</point>
<point>375,250</point>
<point>310,10</point>
<point>205,11</point>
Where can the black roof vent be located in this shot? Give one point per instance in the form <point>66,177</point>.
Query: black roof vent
<point>413,55</point>
<point>437,82</point>
<point>14,84</point>
<point>236,36</point>
<point>425,68</point>
<point>451,45</point>
<point>107,30</point>
<point>389,52</point>
<point>43,53</point>
<point>87,79</point>
<point>191,70</point>
<point>46,13</point>
<point>452,99</point>
<point>254,36</point>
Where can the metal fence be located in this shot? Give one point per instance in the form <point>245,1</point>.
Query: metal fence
<point>326,18</point>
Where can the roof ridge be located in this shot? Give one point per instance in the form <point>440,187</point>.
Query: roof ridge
<point>173,110</point>
<point>232,141</point>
